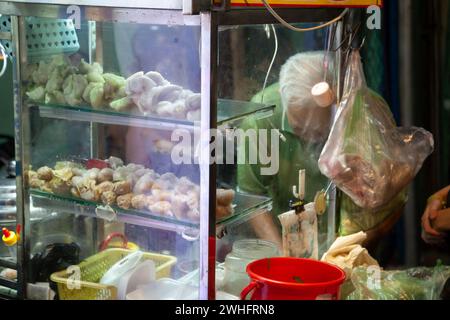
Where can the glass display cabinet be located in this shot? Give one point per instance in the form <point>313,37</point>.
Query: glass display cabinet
<point>114,105</point>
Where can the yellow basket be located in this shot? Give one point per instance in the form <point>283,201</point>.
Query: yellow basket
<point>93,269</point>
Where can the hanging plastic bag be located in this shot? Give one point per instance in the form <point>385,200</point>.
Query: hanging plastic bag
<point>300,234</point>
<point>413,284</point>
<point>366,155</point>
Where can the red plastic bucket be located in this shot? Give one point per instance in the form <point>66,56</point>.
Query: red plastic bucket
<point>293,279</point>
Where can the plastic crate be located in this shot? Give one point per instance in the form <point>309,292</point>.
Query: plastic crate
<point>45,37</point>
<point>92,270</point>
<point>5,26</point>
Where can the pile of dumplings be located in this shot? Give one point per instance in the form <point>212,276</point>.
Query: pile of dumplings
<point>60,82</point>
<point>154,95</point>
<point>129,186</point>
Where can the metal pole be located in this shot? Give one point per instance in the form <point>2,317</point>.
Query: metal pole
<point>333,205</point>
<point>209,33</point>
<point>21,125</point>
<point>406,106</point>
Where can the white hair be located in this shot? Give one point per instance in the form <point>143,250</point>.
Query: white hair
<point>298,76</point>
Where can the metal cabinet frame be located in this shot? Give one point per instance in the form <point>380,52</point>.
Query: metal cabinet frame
<point>171,12</point>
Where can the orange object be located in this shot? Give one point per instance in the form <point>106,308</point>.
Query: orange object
<point>123,244</point>
<point>18,229</point>
<point>104,245</point>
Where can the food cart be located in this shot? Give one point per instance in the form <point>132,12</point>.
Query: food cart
<point>100,89</point>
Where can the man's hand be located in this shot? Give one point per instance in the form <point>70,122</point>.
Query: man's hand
<point>442,221</point>
<point>435,205</point>
<point>266,229</point>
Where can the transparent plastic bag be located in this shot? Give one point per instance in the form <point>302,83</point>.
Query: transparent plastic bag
<point>413,284</point>
<point>366,155</point>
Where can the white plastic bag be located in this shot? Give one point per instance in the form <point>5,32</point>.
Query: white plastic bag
<point>366,155</point>
<point>300,233</point>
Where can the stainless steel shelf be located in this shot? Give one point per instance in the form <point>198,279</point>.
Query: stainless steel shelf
<point>229,112</point>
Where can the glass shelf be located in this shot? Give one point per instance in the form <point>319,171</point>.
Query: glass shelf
<point>229,112</point>
<point>247,207</point>
<point>8,262</point>
<point>89,208</point>
<point>88,114</point>
<point>5,283</point>
<point>232,111</point>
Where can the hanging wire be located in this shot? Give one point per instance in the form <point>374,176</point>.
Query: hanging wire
<point>275,53</point>
<point>271,63</point>
<point>349,38</point>
<point>347,44</point>
<point>291,27</point>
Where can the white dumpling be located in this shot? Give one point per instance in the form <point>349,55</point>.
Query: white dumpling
<point>194,115</point>
<point>134,84</point>
<point>175,109</point>
<point>184,185</point>
<point>144,184</point>
<point>170,93</point>
<point>194,102</point>
<point>157,78</point>
<point>115,162</point>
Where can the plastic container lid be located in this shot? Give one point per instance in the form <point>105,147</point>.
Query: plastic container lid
<point>117,271</point>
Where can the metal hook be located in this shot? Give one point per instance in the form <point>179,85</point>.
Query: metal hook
<point>349,38</point>
<point>362,44</point>
<point>301,186</point>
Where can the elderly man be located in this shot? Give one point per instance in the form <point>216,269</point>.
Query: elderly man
<point>305,127</point>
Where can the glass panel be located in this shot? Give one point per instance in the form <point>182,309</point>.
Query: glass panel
<point>103,103</point>
<point>251,59</point>
<point>136,69</point>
